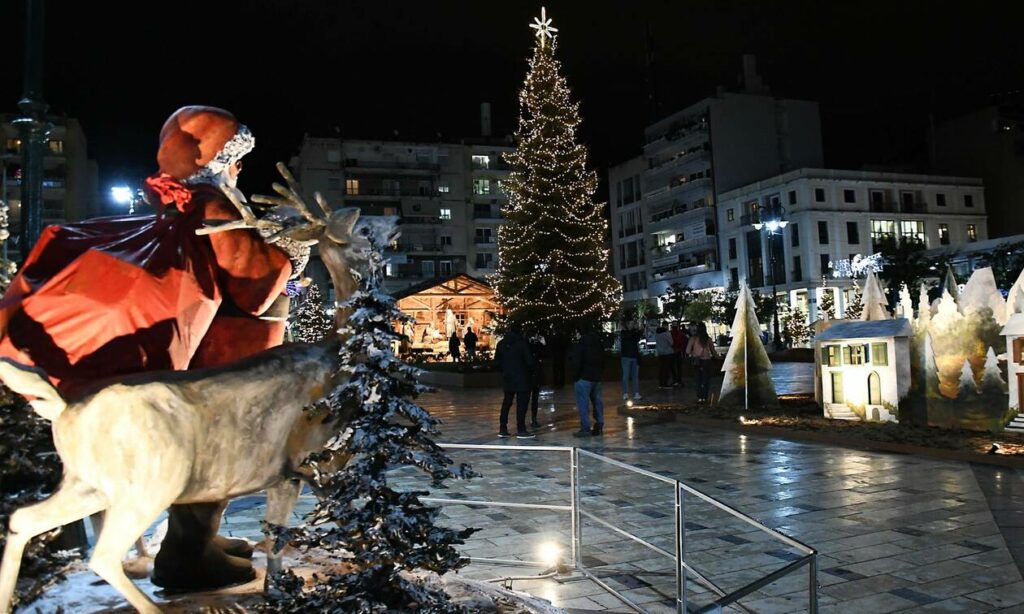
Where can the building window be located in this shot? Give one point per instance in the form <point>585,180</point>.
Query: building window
<point>481,186</point>
<point>732,249</point>
<point>56,147</point>
<point>485,260</point>
<point>852,233</point>
<point>877,200</point>
<point>830,355</point>
<point>819,195</point>
<point>730,215</point>
<point>481,162</point>
<point>940,200</point>
<point>907,200</point>
<point>483,235</point>
<point>443,187</point>
<point>794,235</point>
<point>753,207</point>
<point>14,146</point>
<point>734,275</point>
<point>823,233</point>
<point>333,184</point>
<point>792,197</point>
<point>427,266</point>
<point>855,354</point>
<point>823,260</point>
<point>912,231</point>
<point>879,354</point>
<point>391,186</point>
<point>837,387</point>
<point>798,273</point>
<point>882,232</point>
<point>849,196</point>
<point>943,234</point>
<point>445,240</point>
<point>972,233</point>
<point>352,187</point>
<point>446,267</point>
<point>968,200</point>
<point>446,214</point>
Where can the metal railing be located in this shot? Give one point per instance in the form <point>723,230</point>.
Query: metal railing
<point>683,570</point>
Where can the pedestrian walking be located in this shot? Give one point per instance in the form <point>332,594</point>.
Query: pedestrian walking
<point>513,358</point>
<point>539,351</point>
<point>663,347</point>
<point>701,349</point>
<point>588,371</point>
<point>629,349</point>
<point>453,347</point>
<point>679,341</point>
<point>469,340</point>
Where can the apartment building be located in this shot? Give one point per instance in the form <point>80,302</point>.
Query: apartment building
<point>70,178</point>
<point>835,215</point>
<point>664,201</point>
<point>448,196</point>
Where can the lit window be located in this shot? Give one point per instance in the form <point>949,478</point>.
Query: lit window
<point>481,186</point>
<point>972,232</point>
<point>352,187</point>
<point>13,145</point>
<point>882,231</point>
<point>443,188</point>
<point>482,162</point>
<point>943,234</point>
<point>56,147</point>
<point>446,214</point>
<point>879,354</point>
<point>855,354</point>
<point>730,215</point>
<point>830,355</point>
<point>912,230</point>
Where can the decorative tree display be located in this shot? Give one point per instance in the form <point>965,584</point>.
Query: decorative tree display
<point>992,384</point>
<point>310,322</point>
<point>827,305</point>
<point>875,303</point>
<point>360,519</point>
<point>553,265</point>
<point>748,380</point>
<point>906,303</point>
<point>855,307</point>
<point>794,325</point>
<point>949,284</point>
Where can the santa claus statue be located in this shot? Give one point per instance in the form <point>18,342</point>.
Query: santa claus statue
<point>122,295</point>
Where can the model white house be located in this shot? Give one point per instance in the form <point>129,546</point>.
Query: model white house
<point>1014,333</point>
<point>865,369</point>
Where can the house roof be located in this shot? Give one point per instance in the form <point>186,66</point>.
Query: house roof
<point>1015,325</point>
<point>458,284</point>
<point>858,329</point>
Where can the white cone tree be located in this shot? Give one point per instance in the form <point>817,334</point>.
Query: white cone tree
<point>748,371</point>
<point>875,303</point>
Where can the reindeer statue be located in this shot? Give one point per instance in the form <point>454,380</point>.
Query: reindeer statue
<point>193,436</point>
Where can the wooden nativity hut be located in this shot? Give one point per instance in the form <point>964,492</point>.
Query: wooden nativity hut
<point>440,306</point>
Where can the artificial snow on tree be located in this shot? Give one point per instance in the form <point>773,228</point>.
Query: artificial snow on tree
<point>378,532</point>
<point>874,300</point>
<point>980,294</point>
<point>924,309</point>
<point>748,371</point>
<point>1015,296</point>
<point>906,306</point>
<point>311,323</point>
<point>552,271</point>
<point>827,306</point>
<point>795,329</point>
<point>992,382</point>
<point>949,284</point>
<point>967,386</point>
<point>856,306</point>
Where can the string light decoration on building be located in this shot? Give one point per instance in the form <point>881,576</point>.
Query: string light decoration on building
<point>553,264</point>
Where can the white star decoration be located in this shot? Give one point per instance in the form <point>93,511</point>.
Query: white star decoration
<point>543,27</point>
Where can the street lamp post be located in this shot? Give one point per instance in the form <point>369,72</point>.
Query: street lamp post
<point>770,218</point>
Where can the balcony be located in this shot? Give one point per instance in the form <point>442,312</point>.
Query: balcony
<point>632,230</point>
<point>663,254</point>
<point>420,219</point>
<point>681,270</point>
<point>678,211</point>
<point>491,243</point>
<point>420,247</point>
<point>489,216</point>
<point>493,165</point>
<point>659,194</point>
<point>380,192</point>
<point>877,207</point>
<point>677,132</point>
<point>392,166</point>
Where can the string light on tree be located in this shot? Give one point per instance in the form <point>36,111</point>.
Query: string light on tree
<point>552,267</point>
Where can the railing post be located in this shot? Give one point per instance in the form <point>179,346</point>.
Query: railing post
<point>812,589</point>
<point>577,533</point>
<point>680,550</point>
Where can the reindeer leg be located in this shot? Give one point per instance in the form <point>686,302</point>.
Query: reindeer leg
<point>124,522</point>
<point>281,500</point>
<point>74,500</point>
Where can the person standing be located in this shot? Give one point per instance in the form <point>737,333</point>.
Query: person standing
<point>469,339</point>
<point>629,348</point>
<point>663,347</point>
<point>588,371</point>
<point>453,347</point>
<point>538,349</point>
<point>701,349</point>
<point>513,358</point>
<point>678,349</point>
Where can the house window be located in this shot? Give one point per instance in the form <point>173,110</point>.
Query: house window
<point>730,215</point>
<point>874,389</point>
<point>56,147</point>
<point>1018,350</point>
<point>352,187</point>
<point>912,230</point>
<point>445,240</point>
<point>972,233</point>
<point>446,267</point>
<point>879,354</point>
<point>794,235</point>
<point>481,186</point>
<point>823,233</point>
<point>940,200</point>
<point>830,355</point>
<point>446,214</point>
<point>792,197</point>
<point>481,162</point>
<point>819,195</point>
<point>968,200</point>
<point>882,231</point>
<point>855,354</point>
<point>849,196</point>
<point>732,249</point>
<point>852,233</point>
<point>943,234</point>
<point>837,387</point>
<point>443,187</point>
<point>333,184</point>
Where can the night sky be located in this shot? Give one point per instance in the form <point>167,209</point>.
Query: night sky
<point>371,69</point>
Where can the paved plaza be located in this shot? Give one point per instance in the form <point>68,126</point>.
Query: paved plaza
<point>894,532</point>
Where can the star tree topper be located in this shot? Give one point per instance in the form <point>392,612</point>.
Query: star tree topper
<point>543,27</point>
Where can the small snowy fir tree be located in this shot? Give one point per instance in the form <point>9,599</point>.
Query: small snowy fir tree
<point>29,470</point>
<point>924,309</point>
<point>310,323</point>
<point>827,305</point>
<point>950,285</point>
<point>855,307</point>
<point>748,371</point>
<point>794,324</point>
<point>906,303</point>
<point>967,387</point>
<point>380,533</point>
<point>992,382</point>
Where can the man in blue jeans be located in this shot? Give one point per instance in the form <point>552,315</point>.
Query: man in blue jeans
<point>588,368</point>
<point>629,350</point>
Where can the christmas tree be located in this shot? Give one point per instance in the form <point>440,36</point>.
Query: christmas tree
<point>553,265</point>
<point>29,469</point>
<point>874,301</point>
<point>855,307</point>
<point>748,371</point>
<point>310,323</point>
<point>827,306</point>
<point>379,532</point>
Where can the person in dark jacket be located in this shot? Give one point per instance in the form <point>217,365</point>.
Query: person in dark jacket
<point>453,347</point>
<point>516,363</point>
<point>470,339</point>
<point>539,351</point>
<point>629,349</point>
<point>588,369</point>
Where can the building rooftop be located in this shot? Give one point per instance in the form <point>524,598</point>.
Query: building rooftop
<point>858,329</point>
<point>1014,326</point>
<point>841,175</point>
